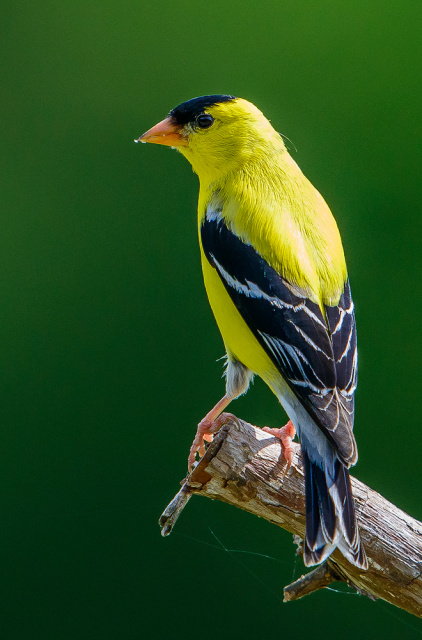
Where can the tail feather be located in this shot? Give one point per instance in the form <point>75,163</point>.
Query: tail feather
<point>330,515</point>
<point>342,493</point>
<point>318,500</point>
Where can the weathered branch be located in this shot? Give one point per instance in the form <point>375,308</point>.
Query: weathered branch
<point>244,467</point>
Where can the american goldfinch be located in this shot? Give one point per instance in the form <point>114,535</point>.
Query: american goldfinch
<point>276,279</point>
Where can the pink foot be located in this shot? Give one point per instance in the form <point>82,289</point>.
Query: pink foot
<point>205,433</point>
<point>285,434</point>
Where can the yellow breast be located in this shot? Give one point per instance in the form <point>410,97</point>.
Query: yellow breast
<point>238,338</point>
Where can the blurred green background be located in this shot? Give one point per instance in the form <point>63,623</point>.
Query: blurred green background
<point>108,347</point>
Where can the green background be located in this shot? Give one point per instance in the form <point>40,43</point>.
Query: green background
<point>107,346</point>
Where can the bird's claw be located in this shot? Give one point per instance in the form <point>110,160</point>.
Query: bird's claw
<point>205,433</point>
<point>285,435</point>
<point>198,444</point>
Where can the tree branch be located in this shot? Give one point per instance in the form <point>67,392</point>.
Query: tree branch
<point>244,466</point>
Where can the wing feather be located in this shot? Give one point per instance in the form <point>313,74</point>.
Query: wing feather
<point>316,355</point>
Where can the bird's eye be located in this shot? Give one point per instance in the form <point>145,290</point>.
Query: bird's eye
<point>204,120</point>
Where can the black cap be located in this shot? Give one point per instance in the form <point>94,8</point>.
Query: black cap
<point>187,111</point>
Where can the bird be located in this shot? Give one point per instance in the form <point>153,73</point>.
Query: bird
<point>276,279</point>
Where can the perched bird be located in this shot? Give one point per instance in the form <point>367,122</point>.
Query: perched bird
<point>277,283</point>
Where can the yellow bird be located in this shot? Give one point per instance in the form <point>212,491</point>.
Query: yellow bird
<point>276,279</point>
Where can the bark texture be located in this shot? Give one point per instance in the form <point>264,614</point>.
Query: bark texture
<point>244,466</point>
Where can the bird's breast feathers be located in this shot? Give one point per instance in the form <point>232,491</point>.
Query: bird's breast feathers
<point>311,345</point>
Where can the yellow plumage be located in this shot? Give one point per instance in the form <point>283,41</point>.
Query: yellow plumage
<point>276,279</point>
<point>271,204</point>
<point>238,339</point>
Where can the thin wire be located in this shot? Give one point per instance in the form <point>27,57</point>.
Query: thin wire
<point>220,546</point>
<point>294,568</point>
<point>275,594</point>
<point>344,593</point>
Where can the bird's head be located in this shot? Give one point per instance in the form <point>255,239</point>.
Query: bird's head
<point>217,134</point>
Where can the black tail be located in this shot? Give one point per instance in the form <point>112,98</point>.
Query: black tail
<point>330,515</point>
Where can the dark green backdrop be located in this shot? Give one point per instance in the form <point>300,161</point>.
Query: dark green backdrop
<point>108,348</point>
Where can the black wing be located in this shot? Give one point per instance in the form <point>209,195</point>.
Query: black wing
<point>317,357</point>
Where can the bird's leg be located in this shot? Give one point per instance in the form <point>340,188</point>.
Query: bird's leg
<point>206,428</point>
<point>286,435</point>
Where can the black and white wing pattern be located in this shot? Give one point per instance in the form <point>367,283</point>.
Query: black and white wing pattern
<point>316,356</point>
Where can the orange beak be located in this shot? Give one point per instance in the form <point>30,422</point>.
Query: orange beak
<point>165,132</point>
